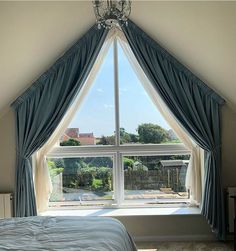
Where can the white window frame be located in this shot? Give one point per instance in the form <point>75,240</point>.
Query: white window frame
<point>118,151</point>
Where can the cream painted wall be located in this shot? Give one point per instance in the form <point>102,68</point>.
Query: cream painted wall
<point>200,34</point>
<point>7,152</point>
<point>33,35</point>
<point>159,228</point>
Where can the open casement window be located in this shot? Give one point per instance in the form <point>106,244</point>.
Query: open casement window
<point>119,144</point>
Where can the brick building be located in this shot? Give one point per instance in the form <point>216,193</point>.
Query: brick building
<point>83,138</point>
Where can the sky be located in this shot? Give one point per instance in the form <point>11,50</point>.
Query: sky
<point>97,112</point>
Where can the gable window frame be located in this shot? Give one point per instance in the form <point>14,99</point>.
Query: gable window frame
<point>118,151</point>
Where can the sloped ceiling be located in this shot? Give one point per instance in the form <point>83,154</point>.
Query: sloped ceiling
<point>201,35</point>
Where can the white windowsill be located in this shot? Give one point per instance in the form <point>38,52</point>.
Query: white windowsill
<point>147,211</point>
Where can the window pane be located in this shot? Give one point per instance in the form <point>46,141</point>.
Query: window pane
<point>140,121</point>
<point>94,122</point>
<point>84,180</point>
<point>152,178</point>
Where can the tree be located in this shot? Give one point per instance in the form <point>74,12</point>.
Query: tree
<point>151,133</point>
<point>172,136</point>
<point>134,138</point>
<point>107,140</point>
<point>70,142</point>
<point>124,136</point>
<point>71,165</point>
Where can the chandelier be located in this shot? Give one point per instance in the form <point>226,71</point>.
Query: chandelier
<point>110,12</point>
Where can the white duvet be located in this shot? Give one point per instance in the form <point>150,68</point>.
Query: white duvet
<point>64,233</point>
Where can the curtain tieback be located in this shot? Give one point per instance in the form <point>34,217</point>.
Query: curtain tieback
<point>215,149</point>
<point>21,156</point>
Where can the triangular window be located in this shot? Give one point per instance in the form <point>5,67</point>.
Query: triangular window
<point>129,107</point>
<point>119,148</point>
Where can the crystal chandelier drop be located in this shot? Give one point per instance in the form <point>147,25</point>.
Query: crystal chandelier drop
<point>110,12</point>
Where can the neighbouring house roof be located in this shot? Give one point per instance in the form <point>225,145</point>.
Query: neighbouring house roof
<point>83,138</point>
<point>86,135</point>
<point>64,137</point>
<point>72,132</point>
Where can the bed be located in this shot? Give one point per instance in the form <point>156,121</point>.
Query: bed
<point>64,233</point>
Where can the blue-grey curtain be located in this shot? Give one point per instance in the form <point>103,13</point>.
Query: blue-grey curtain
<point>194,105</point>
<point>40,109</point>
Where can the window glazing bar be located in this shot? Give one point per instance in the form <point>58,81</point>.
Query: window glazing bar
<point>161,149</point>
<point>116,93</point>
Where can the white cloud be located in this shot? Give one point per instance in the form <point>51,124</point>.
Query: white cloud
<point>100,90</point>
<point>109,107</point>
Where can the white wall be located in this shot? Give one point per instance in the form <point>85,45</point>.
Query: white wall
<point>202,35</point>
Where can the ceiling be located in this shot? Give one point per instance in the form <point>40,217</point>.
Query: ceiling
<point>201,35</point>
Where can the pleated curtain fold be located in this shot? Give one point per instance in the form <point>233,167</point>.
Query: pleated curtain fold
<point>42,180</point>
<point>196,108</point>
<point>41,108</point>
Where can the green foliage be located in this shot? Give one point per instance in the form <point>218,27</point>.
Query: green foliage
<point>105,175</point>
<point>98,161</point>
<point>88,173</point>
<point>85,177</point>
<point>173,141</point>
<point>125,137</point>
<point>107,140</point>
<point>59,162</point>
<point>71,165</point>
<point>128,163</point>
<point>70,142</point>
<point>82,164</point>
<point>51,164</point>
<point>53,170</point>
<point>97,184</point>
<point>151,133</point>
<point>134,138</point>
<point>147,133</point>
<point>172,136</point>
<point>91,178</point>
<point>138,166</point>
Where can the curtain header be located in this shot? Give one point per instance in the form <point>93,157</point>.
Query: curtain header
<point>138,32</point>
<point>60,62</point>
